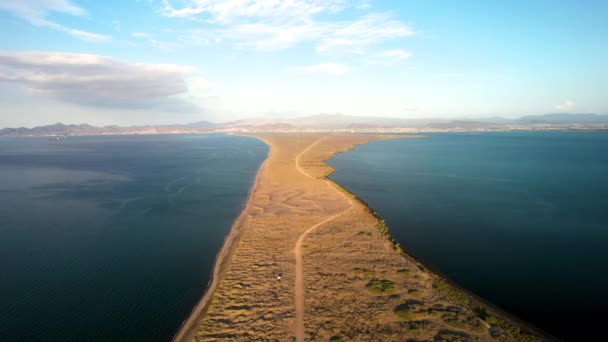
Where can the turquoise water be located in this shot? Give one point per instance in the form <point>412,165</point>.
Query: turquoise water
<point>113,238</point>
<point>520,219</point>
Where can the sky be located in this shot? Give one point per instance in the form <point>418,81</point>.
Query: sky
<point>130,62</point>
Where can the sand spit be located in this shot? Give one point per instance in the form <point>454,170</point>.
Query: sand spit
<point>306,260</point>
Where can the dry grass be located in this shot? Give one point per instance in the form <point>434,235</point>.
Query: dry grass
<point>358,285</point>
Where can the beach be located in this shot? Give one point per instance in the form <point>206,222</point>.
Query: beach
<point>307,260</point>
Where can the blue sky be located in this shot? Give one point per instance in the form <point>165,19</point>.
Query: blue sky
<point>174,61</point>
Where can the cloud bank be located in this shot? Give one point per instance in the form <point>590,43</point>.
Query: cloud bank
<point>97,80</point>
<point>280,24</point>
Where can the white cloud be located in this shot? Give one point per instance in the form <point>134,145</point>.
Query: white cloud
<point>333,69</point>
<point>83,35</point>
<point>335,38</point>
<point>269,37</point>
<point>354,37</point>
<point>566,105</point>
<point>226,11</point>
<point>280,24</point>
<point>40,8</point>
<point>36,12</point>
<point>98,80</point>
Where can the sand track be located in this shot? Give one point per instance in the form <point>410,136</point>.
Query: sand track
<point>353,283</point>
<point>299,277</point>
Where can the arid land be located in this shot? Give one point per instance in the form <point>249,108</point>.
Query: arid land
<point>306,260</point>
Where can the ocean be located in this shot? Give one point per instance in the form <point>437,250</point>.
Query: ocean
<point>113,238</point>
<point>518,218</point>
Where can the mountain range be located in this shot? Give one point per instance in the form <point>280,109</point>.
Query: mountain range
<point>335,123</point>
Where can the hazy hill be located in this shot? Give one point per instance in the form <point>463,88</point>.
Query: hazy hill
<point>335,122</point>
<point>60,129</point>
<point>565,118</point>
<point>56,129</point>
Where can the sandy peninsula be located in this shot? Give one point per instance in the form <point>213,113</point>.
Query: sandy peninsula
<point>308,261</point>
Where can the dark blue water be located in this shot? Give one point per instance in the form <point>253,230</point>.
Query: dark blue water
<point>113,238</point>
<point>520,219</point>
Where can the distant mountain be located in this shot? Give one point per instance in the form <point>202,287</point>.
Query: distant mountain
<point>200,124</point>
<point>340,121</point>
<point>56,129</point>
<point>335,123</point>
<point>464,125</point>
<point>565,118</point>
<point>344,121</point>
<point>60,129</point>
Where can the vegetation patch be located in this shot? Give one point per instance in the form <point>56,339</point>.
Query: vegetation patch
<point>403,312</point>
<point>449,291</point>
<point>455,322</point>
<point>483,314</point>
<point>417,327</point>
<point>380,286</point>
<point>384,232</point>
<point>383,228</point>
<point>450,336</point>
<point>461,321</point>
<point>414,292</point>
<point>329,325</point>
<point>498,324</point>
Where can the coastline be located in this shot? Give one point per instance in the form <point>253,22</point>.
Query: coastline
<point>187,329</point>
<point>468,295</point>
<point>440,283</point>
<point>476,300</point>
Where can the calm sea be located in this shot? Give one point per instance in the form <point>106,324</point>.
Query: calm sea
<point>113,238</point>
<point>520,219</point>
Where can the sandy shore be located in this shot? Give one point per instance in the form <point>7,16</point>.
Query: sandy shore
<point>307,260</point>
<point>187,330</point>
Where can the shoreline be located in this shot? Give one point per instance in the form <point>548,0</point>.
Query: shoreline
<point>450,289</point>
<point>493,308</point>
<point>433,270</point>
<point>187,329</point>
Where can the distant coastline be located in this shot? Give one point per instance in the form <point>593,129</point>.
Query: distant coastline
<point>334,123</point>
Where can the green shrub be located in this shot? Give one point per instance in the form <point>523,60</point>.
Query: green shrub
<point>403,312</point>
<point>380,286</point>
